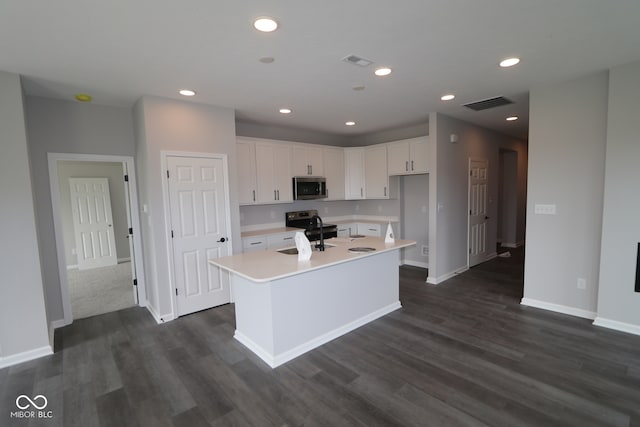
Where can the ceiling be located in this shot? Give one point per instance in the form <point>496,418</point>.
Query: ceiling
<point>119,50</point>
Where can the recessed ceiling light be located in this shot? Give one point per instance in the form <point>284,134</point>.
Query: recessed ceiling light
<point>285,110</point>
<point>380,72</point>
<point>509,62</point>
<point>83,97</point>
<point>265,24</point>
<point>350,123</point>
<point>187,92</point>
<point>512,118</point>
<point>447,97</point>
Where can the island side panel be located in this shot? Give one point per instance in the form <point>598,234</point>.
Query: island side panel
<point>312,308</point>
<point>254,316</point>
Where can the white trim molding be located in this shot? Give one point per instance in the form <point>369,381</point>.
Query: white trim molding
<point>618,326</point>
<point>25,356</point>
<point>572,311</point>
<point>158,318</point>
<point>437,280</point>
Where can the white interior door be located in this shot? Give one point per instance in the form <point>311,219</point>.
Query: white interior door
<point>198,206</point>
<point>478,186</point>
<point>92,222</point>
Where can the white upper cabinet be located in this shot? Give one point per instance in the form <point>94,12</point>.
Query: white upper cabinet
<point>334,172</point>
<point>307,160</point>
<point>376,181</point>
<point>273,173</point>
<point>409,156</point>
<point>354,173</point>
<point>246,153</point>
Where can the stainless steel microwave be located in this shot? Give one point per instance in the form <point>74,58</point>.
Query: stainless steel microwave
<point>309,187</point>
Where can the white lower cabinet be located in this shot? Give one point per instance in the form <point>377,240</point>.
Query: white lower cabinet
<point>346,230</point>
<point>252,244</point>
<point>278,241</point>
<point>373,230</point>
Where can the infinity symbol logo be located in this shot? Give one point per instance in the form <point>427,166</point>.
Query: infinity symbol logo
<point>30,402</point>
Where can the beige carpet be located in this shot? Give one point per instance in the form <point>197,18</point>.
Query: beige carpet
<point>100,290</point>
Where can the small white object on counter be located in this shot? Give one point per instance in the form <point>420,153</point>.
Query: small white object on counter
<point>303,246</point>
<point>388,238</point>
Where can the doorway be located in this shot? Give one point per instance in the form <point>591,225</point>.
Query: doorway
<point>96,226</point>
<point>508,199</point>
<point>197,202</point>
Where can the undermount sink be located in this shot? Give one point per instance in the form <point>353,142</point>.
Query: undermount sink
<point>294,251</point>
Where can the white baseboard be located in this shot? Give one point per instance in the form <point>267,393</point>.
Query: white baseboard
<point>415,263</point>
<point>53,325</point>
<point>121,260</point>
<point>158,318</point>
<point>72,266</point>
<point>572,311</point>
<point>437,280</point>
<point>275,360</point>
<point>618,326</point>
<point>25,356</point>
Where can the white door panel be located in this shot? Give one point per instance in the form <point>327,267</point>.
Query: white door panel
<point>478,187</point>
<point>198,210</point>
<point>92,222</point>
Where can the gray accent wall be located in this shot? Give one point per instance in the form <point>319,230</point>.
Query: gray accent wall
<point>448,189</point>
<point>414,219</point>
<point>168,125</point>
<point>114,173</point>
<point>57,126</point>
<point>617,302</point>
<point>23,316</point>
<point>567,141</point>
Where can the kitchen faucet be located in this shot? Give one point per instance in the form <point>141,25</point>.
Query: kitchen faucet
<point>319,246</point>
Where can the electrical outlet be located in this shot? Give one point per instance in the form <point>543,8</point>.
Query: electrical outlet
<point>544,209</point>
<point>425,250</point>
<point>582,284</point>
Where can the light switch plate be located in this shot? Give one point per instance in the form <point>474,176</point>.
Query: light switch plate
<point>544,209</point>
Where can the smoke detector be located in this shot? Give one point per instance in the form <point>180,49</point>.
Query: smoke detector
<point>357,60</point>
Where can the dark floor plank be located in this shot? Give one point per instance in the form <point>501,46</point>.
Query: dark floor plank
<point>464,352</point>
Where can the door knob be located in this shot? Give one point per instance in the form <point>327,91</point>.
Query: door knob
<point>222,240</point>
<point>487,217</point>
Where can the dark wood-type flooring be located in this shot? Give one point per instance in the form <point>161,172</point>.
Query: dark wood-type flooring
<point>461,353</point>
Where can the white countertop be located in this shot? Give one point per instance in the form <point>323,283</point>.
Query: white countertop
<point>265,266</point>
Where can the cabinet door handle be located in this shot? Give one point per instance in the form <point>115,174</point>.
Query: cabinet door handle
<point>254,195</point>
<point>406,166</point>
<point>256,243</point>
<point>385,191</point>
<point>361,192</point>
<point>411,164</point>
<point>288,238</point>
<point>275,196</point>
<point>278,194</point>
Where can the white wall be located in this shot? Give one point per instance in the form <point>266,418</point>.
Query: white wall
<point>114,173</point>
<point>567,134</point>
<point>168,125</point>
<point>23,319</point>
<point>59,126</point>
<point>448,189</point>
<point>617,302</point>
<point>508,199</point>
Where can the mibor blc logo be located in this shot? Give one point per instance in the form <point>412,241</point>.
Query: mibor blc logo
<point>31,407</point>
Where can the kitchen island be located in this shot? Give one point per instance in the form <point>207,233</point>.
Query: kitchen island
<point>285,307</point>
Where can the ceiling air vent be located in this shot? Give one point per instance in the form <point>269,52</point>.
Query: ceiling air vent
<point>485,104</point>
<point>356,60</point>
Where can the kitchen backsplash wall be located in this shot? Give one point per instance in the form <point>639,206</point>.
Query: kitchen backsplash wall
<point>272,214</point>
